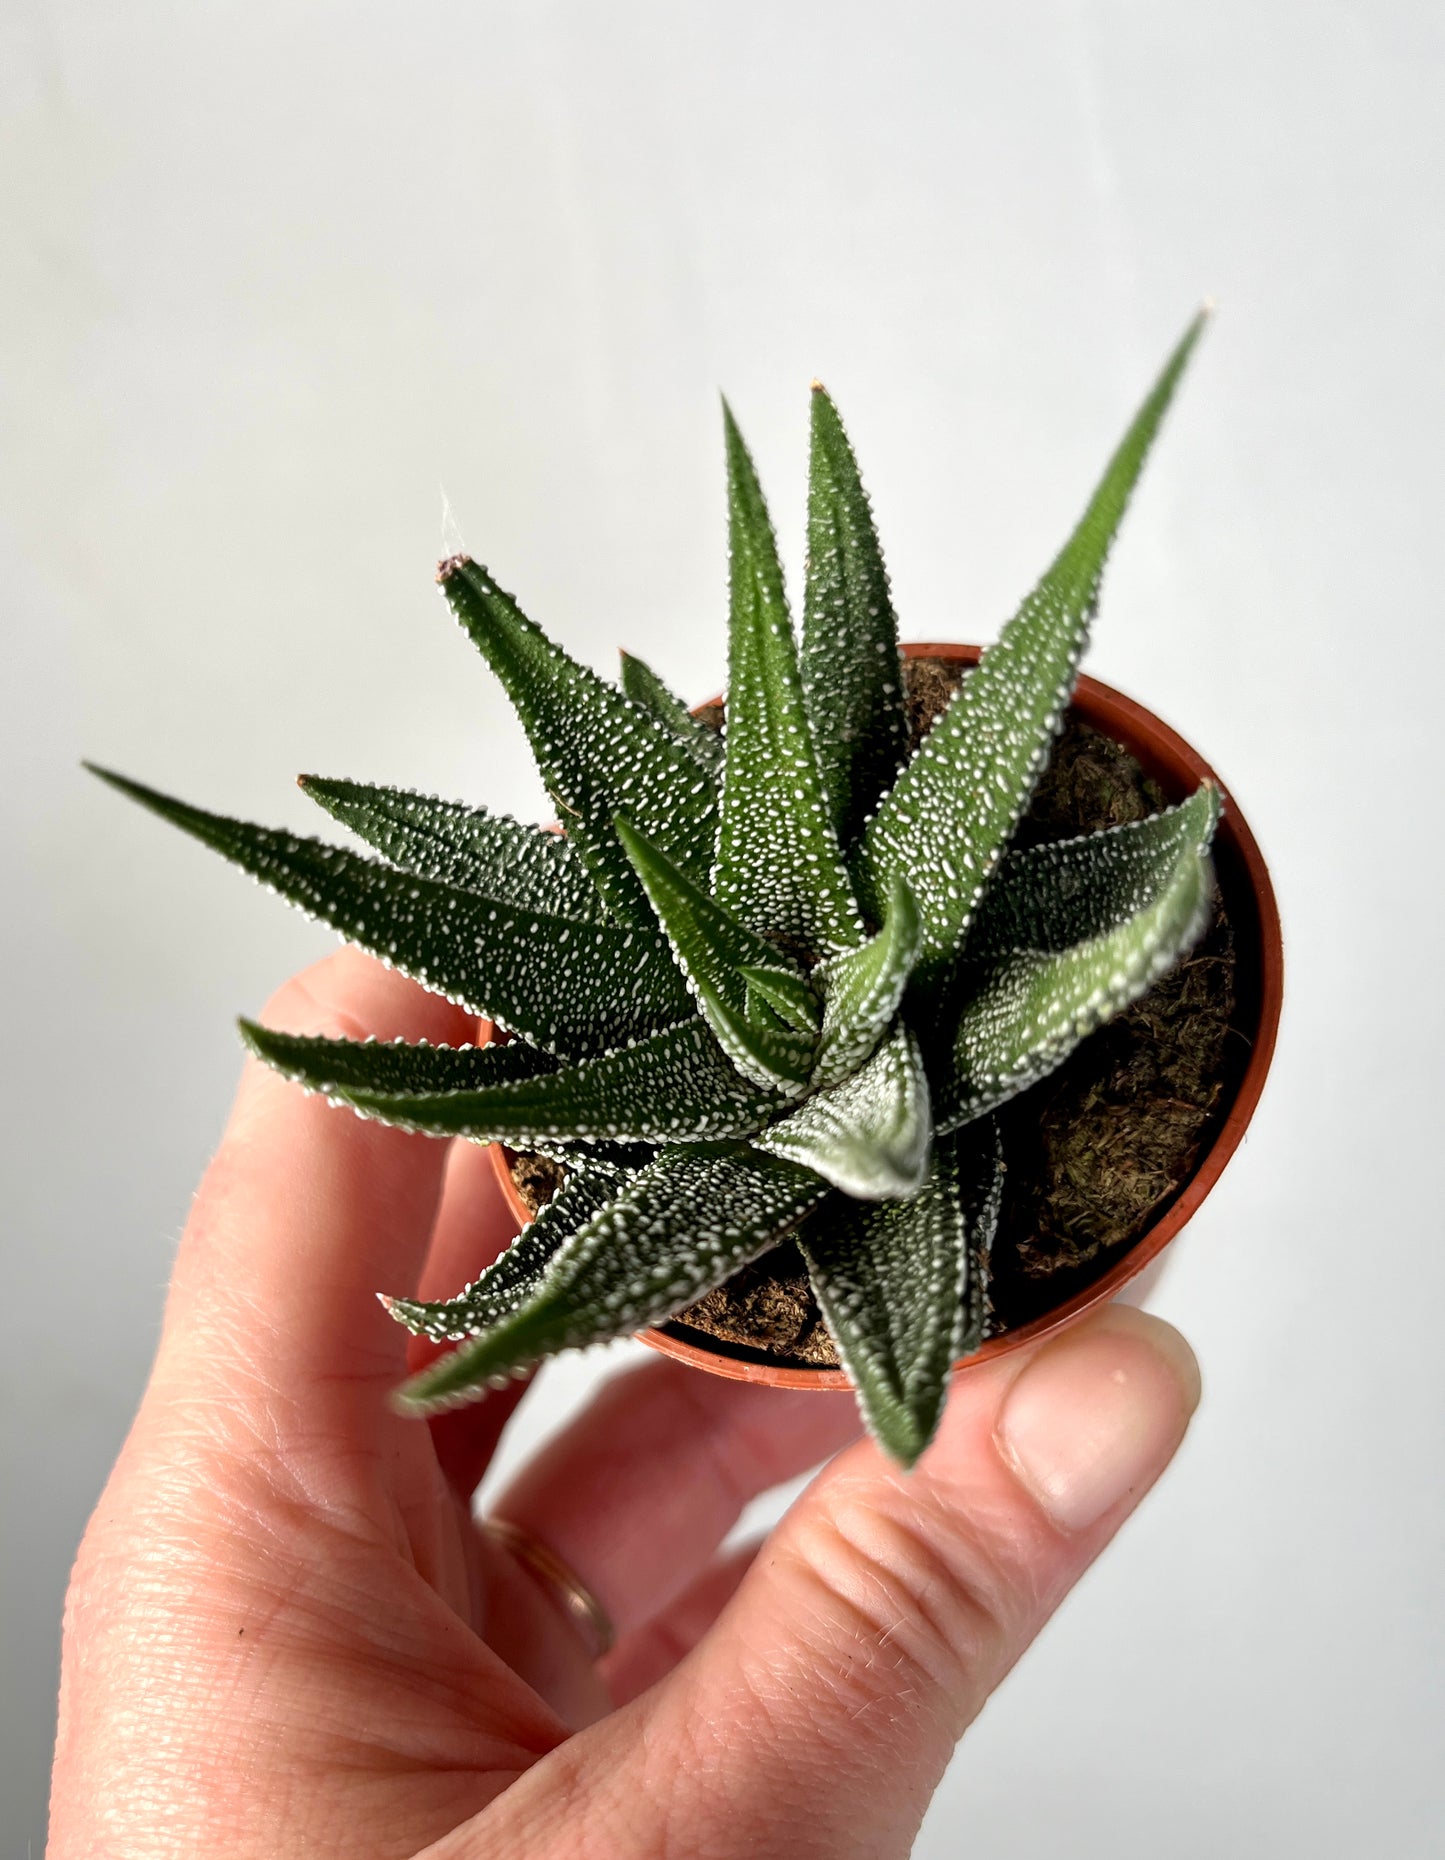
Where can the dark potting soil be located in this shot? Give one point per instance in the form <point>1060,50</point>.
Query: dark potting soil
<point>1094,1152</point>
<point>536,1178</point>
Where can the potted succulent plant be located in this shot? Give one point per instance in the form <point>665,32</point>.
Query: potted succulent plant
<point>785,1005</point>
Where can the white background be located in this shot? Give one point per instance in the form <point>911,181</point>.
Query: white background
<point>279,276</point>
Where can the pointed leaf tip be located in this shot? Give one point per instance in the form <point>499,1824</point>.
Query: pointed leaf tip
<point>676,1230</point>
<point>851,671</point>
<point>863,988</point>
<point>674,1087</point>
<point>778,868</point>
<point>594,749</point>
<point>375,1075</point>
<point>490,854</point>
<point>642,686</point>
<point>534,974</point>
<point>942,823</point>
<point>900,1286</point>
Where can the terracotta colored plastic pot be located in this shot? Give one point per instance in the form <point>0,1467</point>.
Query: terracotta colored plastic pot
<point>1254,918</point>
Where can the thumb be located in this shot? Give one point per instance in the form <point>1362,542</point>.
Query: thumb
<point>819,1714</point>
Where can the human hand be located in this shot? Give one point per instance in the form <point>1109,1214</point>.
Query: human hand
<point>285,1633</point>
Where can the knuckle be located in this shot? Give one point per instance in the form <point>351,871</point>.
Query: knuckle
<point>930,1610</point>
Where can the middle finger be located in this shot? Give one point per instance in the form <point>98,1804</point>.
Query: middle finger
<point>639,1491</point>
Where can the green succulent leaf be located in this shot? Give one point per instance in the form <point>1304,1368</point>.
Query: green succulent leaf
<point>676,1231</point>
<point>778,867</point>
<point>1052,896</point>
<point>515,1275</point>
<point>900,1286</point>
<point>336,1068</point>
<point>787,994</point>
<point>714,950</point>
<point>465,846</point>
<point>674,1087</point>
<point>641,685</point>
<point>852,677</point>
<point>597,752</point>
<point>1026,1010</point>
<point>952,811</point>
<point>869,1134</point>
<point>862,989</point>
<point>573,989</point>
<point>626,1157</point>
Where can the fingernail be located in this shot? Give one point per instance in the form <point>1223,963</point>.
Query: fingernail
<point>1096,1416</point>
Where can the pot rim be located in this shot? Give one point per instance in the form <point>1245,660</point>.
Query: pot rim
<point>1254,915</point>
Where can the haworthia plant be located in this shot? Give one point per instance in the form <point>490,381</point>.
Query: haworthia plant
<point>644,687</point>
<point>773,983</point>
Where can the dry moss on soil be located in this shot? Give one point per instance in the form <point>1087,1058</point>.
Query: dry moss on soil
<point>1094,1152</point>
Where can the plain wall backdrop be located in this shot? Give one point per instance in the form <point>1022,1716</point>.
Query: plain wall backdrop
<point>282,281</point>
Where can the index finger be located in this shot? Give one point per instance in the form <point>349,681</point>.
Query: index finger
<point>307,1212</point>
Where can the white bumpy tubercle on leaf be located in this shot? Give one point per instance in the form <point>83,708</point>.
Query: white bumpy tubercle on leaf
<point>1026,1010</point>
<point>789,996</point>
<point>468,847</point>
<point>672,1087</point>
<point>862,989</point>
<point>868,1134</point>
<point>1054,895</point>
<point>677,1230</point>
<point>514,1277</point>
<point>851,669</point>
<point>597,753</point>
<point>778,868</point>
<point>392,1067</point>
<point>947,820</point>
<point>642,686</point>
<point>571,988</point>
<point>901,1286</point>
<point>709,1039</point>
<point>715,952</point>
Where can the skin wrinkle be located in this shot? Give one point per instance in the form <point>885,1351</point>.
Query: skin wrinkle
<point>279,1668</point>
<point>436,1534</point>
<point>241,1448</point>
<point>675,1776</point>
<point>257,1416</point>
<point>273,1639</point>
<point>674,1765</point>
<point>660,1440</point>
<point>806,1777</point>
<point>524,1826</point>
<point>152,1617</point>
<point>891,1581</point>
<point>660,1644</point>
<point>695,1759</point>
<point>227,1308</point>
<point>692,1785</point>
<point>911,1571</point>
<point>300,1542</point>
